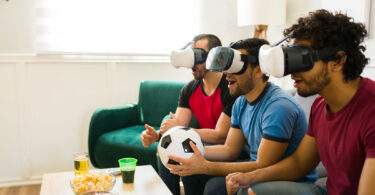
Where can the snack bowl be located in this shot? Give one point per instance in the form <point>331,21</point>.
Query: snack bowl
<point>92,183</point>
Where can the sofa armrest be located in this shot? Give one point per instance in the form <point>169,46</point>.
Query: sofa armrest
<point>109,119</point>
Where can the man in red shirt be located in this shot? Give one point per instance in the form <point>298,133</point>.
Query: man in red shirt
<point>341,130</point>
<point>207,98</point>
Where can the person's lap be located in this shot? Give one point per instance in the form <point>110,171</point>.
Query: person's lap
<point>172,181</point>
<point>215,186</point>
<point>285,188</point>
<point>193,185</point>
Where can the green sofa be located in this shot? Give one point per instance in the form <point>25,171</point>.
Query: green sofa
<point>114,133</point>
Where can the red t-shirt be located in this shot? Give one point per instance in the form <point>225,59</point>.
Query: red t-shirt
<point>210,105</point>
<point>345,138</point>
<point>207,109</point>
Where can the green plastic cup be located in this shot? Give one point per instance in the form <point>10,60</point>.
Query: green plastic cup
<point>127,167</point>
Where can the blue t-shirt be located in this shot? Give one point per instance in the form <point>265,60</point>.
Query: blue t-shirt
<point>274,115</point>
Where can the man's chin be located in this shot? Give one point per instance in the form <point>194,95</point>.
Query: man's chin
<point>304,93</point>
<point>234,93</point>
<point>197,76</point>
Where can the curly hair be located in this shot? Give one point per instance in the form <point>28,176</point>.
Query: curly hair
<point>324,29</point>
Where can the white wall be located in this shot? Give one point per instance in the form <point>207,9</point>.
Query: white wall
<point>47,104</point>
<point>46,101</point>
<point>17,19</point>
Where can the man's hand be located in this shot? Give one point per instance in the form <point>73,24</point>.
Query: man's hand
<point>190,166</point>
<point>250,192</point>
<point>149,136</point>
<point>235,181</point>
<point>169,123</point>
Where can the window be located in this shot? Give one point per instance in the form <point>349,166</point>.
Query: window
<point>133,27</point>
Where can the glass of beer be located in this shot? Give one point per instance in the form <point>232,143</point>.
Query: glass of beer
<point>127,167</point>
<point>81,163</point>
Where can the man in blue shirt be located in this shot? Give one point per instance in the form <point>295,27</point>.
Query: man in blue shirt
<point>265,118</point>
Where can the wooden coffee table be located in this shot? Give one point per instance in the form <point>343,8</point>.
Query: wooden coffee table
<point>146,181</point>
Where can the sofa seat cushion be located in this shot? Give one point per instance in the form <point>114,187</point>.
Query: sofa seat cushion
<point>123,143</point>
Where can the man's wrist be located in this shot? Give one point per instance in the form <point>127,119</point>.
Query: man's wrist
<point>252,176</point>
<point>206,167</point>
<point>159,136</point>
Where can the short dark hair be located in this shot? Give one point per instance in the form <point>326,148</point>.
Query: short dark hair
<point>324,29</point>
<point>252,46</point>
<point>213,41</point>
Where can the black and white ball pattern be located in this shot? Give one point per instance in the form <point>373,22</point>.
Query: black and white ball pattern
<point>176,142</point>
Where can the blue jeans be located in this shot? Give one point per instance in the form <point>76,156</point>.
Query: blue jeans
<point>285,188</point>
<point>193,185</point>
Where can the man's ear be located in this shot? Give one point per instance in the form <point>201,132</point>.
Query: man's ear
<point>257,72</point>
<point>339,63</point>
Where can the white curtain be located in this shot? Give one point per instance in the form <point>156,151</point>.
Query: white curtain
<point>131,27</point>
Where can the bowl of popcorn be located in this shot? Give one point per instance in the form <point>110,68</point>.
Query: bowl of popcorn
<point>92,183</point>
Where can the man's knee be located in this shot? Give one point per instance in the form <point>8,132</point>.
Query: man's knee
<point>215,186</point>
<point>283,187</point>
<point>194,184</point>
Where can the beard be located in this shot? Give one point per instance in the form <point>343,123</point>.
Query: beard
<point>315,84</point>
<point>199,74</point>
<point>244,88</point>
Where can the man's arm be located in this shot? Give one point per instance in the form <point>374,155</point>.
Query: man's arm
<point>269,153</point>
<point>230,150</point>
<point>299,164</point>
<point>197,164</point>
<point>367,180</point>
<point>181,118</point>
<point>219,134</point>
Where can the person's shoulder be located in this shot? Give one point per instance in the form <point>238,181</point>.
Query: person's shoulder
<point>278,95</point>
<point>282,101</point>
<point>241,100</point>
<point>319,103</point>
<point>366,96</point>
<point>368,86</point>
<point>191,85</point>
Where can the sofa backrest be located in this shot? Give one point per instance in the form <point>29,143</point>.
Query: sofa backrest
<point>157,99</point>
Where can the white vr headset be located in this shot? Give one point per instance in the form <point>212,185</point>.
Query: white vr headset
<point>279,61</point>
<point>228,60</point>
<point>188,57</point>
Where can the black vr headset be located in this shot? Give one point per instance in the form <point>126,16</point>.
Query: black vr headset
<point>188,57</point>
<point>228,60</point>
<point>279,61</point>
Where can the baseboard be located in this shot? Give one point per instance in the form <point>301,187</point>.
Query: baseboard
<point>20,182</point>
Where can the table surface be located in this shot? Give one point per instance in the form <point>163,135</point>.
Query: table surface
<point>146,181</point>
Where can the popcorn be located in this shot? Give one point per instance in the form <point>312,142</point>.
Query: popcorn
<point>92,182</point>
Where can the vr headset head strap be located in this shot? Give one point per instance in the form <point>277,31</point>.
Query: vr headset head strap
<point>329,51</point>
<point>246,59</point>
<point>187,45</point>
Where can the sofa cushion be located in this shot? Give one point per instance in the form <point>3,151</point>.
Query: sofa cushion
<point>123,143</point>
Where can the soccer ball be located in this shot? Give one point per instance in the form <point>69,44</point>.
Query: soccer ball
<point>176,142</point>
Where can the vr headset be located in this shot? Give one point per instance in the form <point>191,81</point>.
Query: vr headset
<point>188,57</point>
<point>279,61</point>
<point>228,60</point>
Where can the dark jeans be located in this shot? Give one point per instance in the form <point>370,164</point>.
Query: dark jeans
<point>216,186</point>
<point>285,188</point>
<point>193,185</point>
